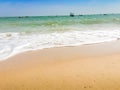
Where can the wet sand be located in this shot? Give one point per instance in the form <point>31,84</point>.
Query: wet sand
<point>86,67</point>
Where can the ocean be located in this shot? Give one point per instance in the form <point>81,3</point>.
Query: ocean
<point>20,34</point>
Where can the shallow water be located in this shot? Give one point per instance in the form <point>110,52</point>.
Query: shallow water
<point>31,33</point>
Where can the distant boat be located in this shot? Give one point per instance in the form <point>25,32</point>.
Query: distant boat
<point>72,15</point>
<point>23,17</point>
<point>104,14</point>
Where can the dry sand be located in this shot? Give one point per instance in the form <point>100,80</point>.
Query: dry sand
<point>87,67</point>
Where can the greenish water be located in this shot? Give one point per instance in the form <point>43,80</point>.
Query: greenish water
<point>45,24</point>
<point>31,33</point>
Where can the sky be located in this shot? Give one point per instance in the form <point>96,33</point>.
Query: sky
<point>57,7</point>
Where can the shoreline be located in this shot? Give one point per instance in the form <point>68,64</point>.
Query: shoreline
<point>82,45</point>
<point>19,43</point>
<point>85,67</point>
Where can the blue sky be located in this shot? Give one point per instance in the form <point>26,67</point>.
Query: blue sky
<point>57,7</point>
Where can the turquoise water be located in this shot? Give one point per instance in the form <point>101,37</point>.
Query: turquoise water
<point>45,24</point>
<point>32,33</point>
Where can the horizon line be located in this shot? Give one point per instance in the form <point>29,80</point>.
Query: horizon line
<point>57,15</point>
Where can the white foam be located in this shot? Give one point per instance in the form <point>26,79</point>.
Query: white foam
<point>13,43</point>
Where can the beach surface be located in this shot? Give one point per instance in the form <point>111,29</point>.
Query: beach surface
<point>85,67</point>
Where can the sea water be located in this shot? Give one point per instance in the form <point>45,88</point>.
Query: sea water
<point>19,34</point>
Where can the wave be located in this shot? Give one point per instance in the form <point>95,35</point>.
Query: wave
<point>14,43</point>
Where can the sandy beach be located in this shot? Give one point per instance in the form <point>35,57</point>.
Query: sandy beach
<point>86,67</point>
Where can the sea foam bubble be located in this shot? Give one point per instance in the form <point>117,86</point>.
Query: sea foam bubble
<point>14,43</point>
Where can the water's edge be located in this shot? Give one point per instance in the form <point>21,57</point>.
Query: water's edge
<point>33,50</point>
